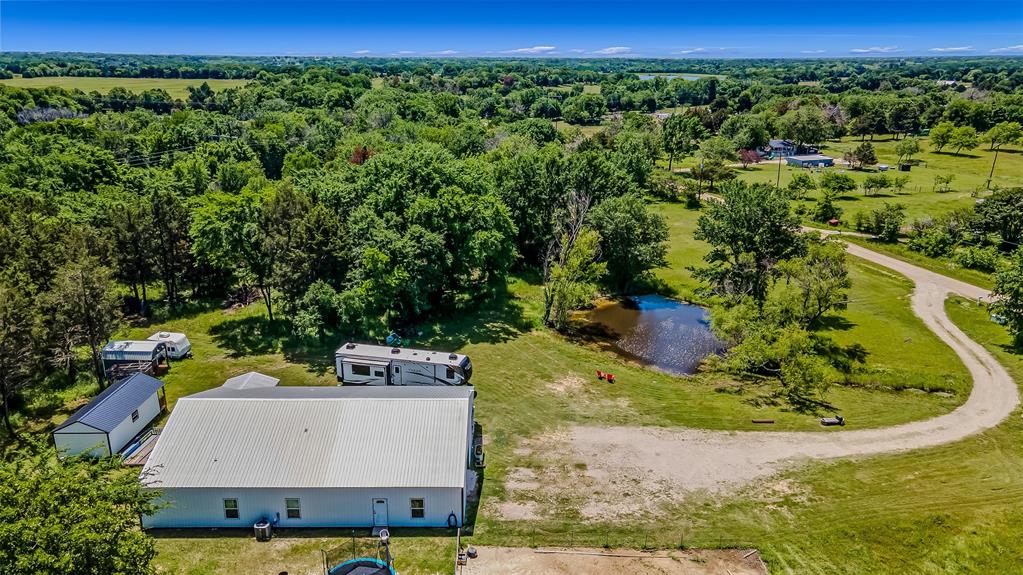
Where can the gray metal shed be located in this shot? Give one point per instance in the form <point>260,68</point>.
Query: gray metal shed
<point>108,422</point>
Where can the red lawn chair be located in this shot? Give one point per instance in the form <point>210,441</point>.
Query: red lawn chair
<point>610,377</point>
<point>601,374</point>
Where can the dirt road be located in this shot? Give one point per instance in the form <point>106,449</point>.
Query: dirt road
<point>524,561</point>
<point>691,459</point>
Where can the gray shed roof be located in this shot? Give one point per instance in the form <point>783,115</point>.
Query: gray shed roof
<point>250,380</point>
<point>115,403</point>
<point>315,437</point>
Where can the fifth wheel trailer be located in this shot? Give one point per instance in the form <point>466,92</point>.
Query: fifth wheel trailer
<point>365,364</point>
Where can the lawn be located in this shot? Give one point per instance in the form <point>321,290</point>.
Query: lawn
<point>970,170</point>
<point>952,509</point>
<point>534,384</point>
<point>176,87</point>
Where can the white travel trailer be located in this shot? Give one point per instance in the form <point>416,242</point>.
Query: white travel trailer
<point>178,345</point>
<point>360,363</point>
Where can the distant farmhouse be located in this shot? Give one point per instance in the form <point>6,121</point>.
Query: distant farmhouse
<point>351,456</point>
<point>810,161</point>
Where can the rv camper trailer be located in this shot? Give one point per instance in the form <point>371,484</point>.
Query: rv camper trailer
<point>178,346</point>
<point>364,364</point>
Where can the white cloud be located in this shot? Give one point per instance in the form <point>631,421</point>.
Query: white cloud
<point>577,50</point>
<point>691,51</point>
<point>361,52</point>
<point>446,52</point>
<point>406,52</point>
<point>876,50</point>
<point>614,51</point>
<point>953,49</point>
<point>812,51</point>
<point>532,50</point>
<point>1016,48</point>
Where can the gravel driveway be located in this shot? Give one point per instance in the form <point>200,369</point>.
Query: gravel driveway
<point>692,459</point>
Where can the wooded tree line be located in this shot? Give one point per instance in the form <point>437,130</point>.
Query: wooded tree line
<point>349,221</point>
<point>835,74</point>
<point>351,209</point>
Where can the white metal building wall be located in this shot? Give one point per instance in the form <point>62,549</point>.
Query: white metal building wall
<point>127,429</point>
<point>78,438</point>
<point>321,507</point>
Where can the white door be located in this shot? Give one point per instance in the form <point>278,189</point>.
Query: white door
<point>379,513</point>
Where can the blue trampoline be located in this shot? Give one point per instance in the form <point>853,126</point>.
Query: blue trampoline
<point>363,566</point>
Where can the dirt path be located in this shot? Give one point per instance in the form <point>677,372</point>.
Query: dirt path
<point>692,459</point>
<point>523,561</point>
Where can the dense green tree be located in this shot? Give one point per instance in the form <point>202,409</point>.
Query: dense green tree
<point>1000,214</point>
<point>227,234</point>
<point>19,327</point>
<point>864,154</point>
<point>837,182</point>
<point>805,126</point>
<point>906,149</point>
<point>85,306</point>
<point>941,135</point>
<point>963,138</point>
<point>584,109</point>
<point>800,185</point>
<point>999,135</point>
<point>750,231</point>
<point>813,284</point>
<point>632,239</point>
<point>1008,292</point>
<point>718,149</point>
<point>531,184</point>
<point>681,135</point>
<point>73,516</point>
<point>874,183</point>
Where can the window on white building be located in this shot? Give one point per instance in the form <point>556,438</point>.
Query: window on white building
<point>293,508</point>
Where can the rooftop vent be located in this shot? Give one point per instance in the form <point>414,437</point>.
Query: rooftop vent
<point>350,346</point>
<point>452,356</point>
<point>395,350</point>
<point>164,335</point>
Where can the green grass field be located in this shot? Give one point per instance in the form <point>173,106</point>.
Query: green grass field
<point>970,170</point>
<point>952,509</point>
<point>176,87</point>
<point>919,511</point>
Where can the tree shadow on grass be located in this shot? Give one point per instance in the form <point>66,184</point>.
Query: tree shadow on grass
<point>834,322</point>
<point>495,320</point>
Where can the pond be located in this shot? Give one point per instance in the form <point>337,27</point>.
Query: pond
<point>658,332</point>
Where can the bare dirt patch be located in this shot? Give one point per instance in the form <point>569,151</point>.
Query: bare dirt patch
<point>521,479</point>
<point>517,511</point>
<point>524,561</point>
<point>568,384</point>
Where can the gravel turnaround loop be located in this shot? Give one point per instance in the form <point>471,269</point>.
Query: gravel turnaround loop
<point>693,459</point>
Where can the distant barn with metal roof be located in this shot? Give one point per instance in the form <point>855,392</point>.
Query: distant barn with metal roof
<point>108,422</point>
<point>333,451</point>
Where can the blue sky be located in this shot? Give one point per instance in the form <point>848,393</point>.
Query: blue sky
<point>638,28</point>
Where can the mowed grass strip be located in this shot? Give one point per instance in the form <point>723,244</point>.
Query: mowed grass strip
<point>176,87</point>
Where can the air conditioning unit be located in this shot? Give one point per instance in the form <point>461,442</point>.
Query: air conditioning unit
<point>264,530</point>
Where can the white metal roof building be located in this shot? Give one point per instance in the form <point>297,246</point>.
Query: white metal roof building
<point>315,457</point>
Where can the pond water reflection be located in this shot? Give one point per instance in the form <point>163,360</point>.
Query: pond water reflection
<point>659,332</point>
